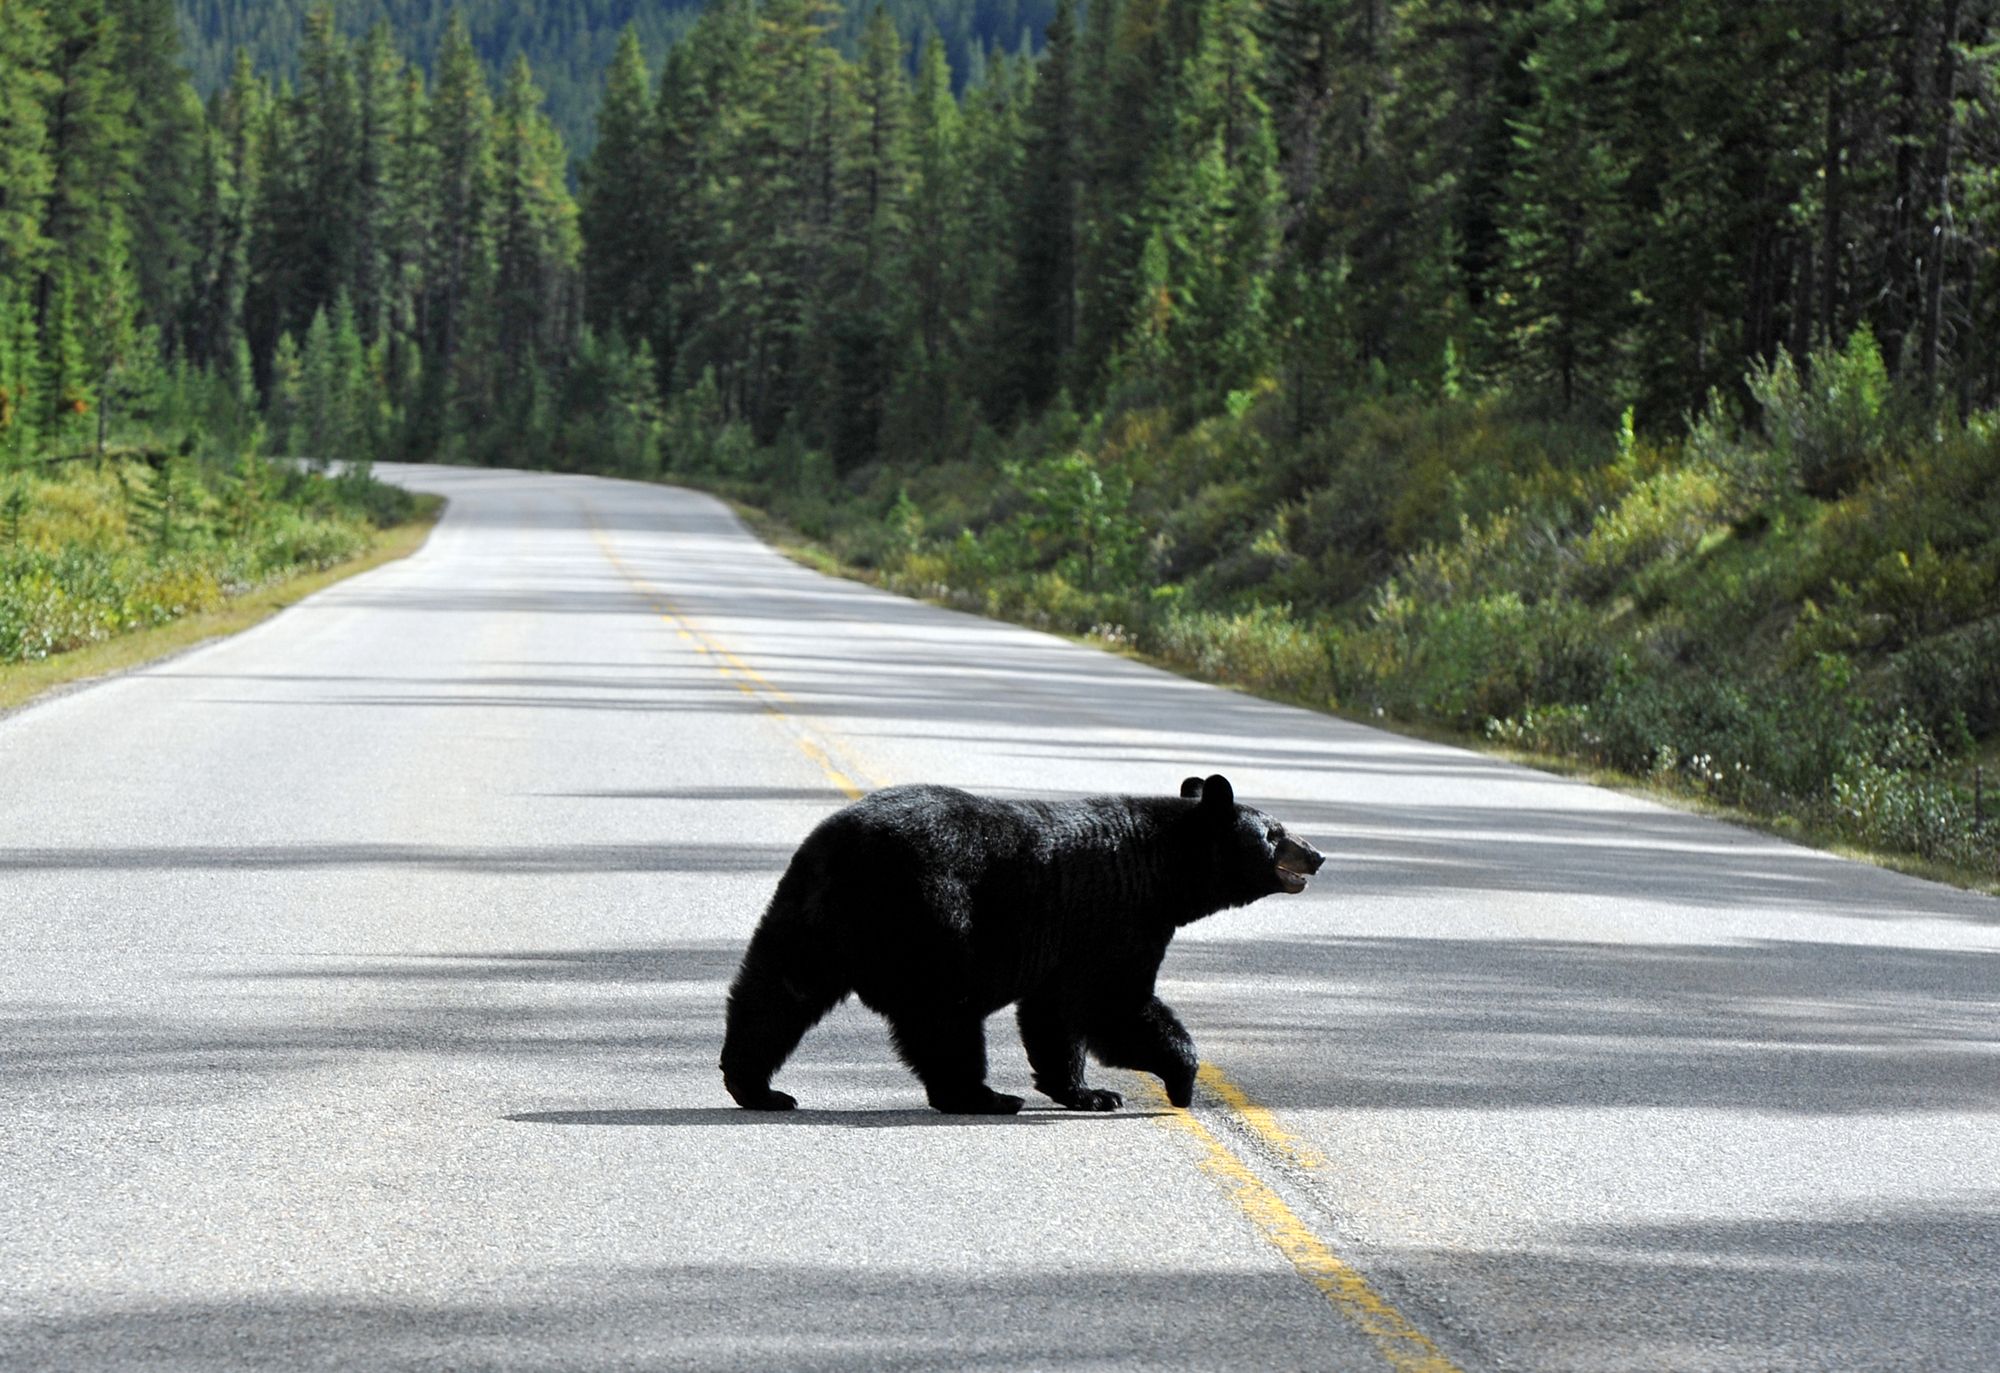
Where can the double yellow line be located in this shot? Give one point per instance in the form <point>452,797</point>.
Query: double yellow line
<point>736,672</point>
<point>1402,1346</point>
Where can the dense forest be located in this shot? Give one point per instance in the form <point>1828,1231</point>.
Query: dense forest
<point>569,42</point>
<point>1614,378</point>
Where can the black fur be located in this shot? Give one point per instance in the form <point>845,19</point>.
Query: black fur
<point>937,908</point>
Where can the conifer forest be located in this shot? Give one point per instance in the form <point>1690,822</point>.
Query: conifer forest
<point>1617,382</point>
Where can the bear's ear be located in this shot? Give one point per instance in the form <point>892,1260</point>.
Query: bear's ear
<point>1191,789</point>
<point>1217,793</point>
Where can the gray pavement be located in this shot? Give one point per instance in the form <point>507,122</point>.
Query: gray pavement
<point>361,983</point>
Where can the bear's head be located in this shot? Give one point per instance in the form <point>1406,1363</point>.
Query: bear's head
<point>1254,856</point>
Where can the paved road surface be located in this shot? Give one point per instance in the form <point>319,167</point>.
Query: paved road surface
<point>361,980</point>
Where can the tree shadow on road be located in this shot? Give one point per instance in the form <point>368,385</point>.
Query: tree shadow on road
<point>712,1316</point>
<point>1474,1024</point>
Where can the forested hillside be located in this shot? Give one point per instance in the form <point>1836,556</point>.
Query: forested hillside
<point>568,42</point>
<point>1617,379</point>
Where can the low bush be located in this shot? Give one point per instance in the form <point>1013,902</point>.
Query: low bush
<point>1265,649</point>
<point>100,549</point>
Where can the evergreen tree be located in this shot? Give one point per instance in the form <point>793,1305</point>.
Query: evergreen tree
<point>81,288</point>
<point>1039,316</point>
<point>535,238</point>
<point>1205,294</point>
<point>935,268</point>
<point>167,140</point>
<point>623,285</point>
<point>407,235</point>
<point>1566,226</point>
<point>20,384</point>
<point>1127,115</point>
<point>380,89</point>
<point>25,170</point>
<point>869,320</point>
<point>461,124</point>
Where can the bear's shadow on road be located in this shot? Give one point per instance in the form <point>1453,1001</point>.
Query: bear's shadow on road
<point>673,1117</point>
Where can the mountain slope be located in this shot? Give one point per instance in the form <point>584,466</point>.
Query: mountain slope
<point>569,42</point>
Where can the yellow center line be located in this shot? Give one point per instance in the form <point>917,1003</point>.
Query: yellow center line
<point>1259,1119</point>
<point>733,669</point>
<point>1402,1346</point>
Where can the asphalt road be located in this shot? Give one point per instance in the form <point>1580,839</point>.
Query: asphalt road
<point>361,984</point>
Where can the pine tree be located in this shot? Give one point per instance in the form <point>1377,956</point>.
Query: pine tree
<point>869,319</point>
<point>1039,324</point>
<point>66,386</point>
<point>326,113</point>
<point>880,169</point>
<point>620,217</point>
<point>1566,226</point>
<point>1205,287</point>
<point>936,272</point>
<point>1127,117</point>
<point>782,212</point>
<point>81,287</point>
<point>534,228</point>
<point>25,170</point>
<point>410,217</point>
<point>461,126</point>
<point>286,404</point>
<point>20,359</point>
<point>380,88</point>
<point>167,139</point>
<point>281,274</point>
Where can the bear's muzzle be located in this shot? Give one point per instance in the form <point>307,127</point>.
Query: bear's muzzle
<point>1296,862</point>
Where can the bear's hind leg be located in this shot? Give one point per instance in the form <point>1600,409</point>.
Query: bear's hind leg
<point>947,1052</point>
<point>1055,1052</point>
<point>1153,1042</point>
<point>772,1003</point>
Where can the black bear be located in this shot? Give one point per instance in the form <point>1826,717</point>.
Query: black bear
<point>937,908</point>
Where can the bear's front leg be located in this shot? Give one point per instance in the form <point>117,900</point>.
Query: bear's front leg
<point>947,1052</point>
<point>1153,1041</point>
<point>1055,1052</point>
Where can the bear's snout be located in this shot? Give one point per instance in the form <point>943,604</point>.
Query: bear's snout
<point>1296,862</point>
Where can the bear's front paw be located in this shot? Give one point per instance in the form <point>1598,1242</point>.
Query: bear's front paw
<point>983,1101</point>
<point>1095,1099</point>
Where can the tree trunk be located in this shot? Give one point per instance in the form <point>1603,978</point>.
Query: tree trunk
<point>1836,156</point>
<point>1944,90</point>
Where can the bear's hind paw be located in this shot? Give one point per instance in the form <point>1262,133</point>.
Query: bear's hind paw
<point>983,1101</point>
<point>761,1098</point>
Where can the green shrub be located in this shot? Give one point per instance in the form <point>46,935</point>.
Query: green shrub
<point>1892,796</point>
<point>1929,592</point>
<point>1829,421</point>
<point>292,540</point>
<point>1663,518</point>
<point>1264,648</point>
<point>1952,682</point>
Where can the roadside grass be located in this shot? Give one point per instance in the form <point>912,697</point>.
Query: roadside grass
<point>816,554</point>
<point>24,682</point>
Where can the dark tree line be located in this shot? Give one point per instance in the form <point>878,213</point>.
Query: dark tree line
<point>1594,203</point>
<point>569,42</point>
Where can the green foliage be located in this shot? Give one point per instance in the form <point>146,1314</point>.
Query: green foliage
<point>1079,517</point>
<point>1264,648</point>
<point>570,42</point>
<point>92,551</point>
<point>1830,418</point>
